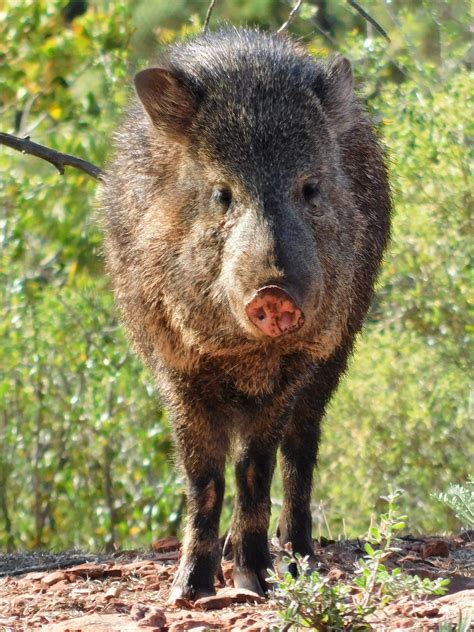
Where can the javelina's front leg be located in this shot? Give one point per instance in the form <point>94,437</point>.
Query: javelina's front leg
<point>202,447</point>
<point>298,458</point>
<point>254,470</point>
<point>299,448</point>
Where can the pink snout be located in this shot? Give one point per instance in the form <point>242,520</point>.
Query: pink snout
<point>274,312</point>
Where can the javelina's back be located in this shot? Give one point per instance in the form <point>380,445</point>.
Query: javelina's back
<point>247,210</point>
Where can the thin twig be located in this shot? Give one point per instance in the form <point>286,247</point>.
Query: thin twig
<point>208,15</point>
<point>369,18</point>
<point>291,17</point>
<point>56,158</point>
<point>325,34</point>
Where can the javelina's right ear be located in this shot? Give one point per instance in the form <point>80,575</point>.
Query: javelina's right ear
<point>337,94</point>
<point>169,104</point>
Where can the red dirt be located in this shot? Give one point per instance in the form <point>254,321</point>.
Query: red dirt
<point>129,594</point>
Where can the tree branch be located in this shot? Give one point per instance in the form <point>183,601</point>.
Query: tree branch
<point>369,18</point>
<point>291,17</point>
<point>56,158</point>
<point>208,16</point>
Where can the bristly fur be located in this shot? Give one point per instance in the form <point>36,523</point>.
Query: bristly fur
<point>256,114</point>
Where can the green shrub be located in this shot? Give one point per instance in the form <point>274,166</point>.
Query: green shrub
<point>460,498</point>
<point>311,600</point>
<point>84,445</point>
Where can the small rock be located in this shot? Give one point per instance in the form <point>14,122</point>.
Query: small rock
<point>425,611</point>
<point>214,602</point>
<point>391,610</point>
<point>140,567</point>
<point>181,602</point>
<point>250,624</point>
<point>148,615</point>
<point>335,574</point>
<point>53,578</point>
<point>35,576</point>
<point>138,611</point>
<point>241,595</point>
<point>435,548</point>
<point>409,558</point>
<point>113,605</point>
<point>403,624</point>
<point>226,597</point>
<point>113,592</point>
<point>98,623</point>
<point>164,544</point>
<point>229,618</point>
<point>86,571</point>
<point>156,618</point>
<point>197,625</point>
<point>61,586</point>
<point>462,599</point>
<point>112,571</point>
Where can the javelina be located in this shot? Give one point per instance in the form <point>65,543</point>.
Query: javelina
<point>247,210</point>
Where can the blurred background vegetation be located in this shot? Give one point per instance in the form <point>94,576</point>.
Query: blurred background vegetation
<point>85,449</point>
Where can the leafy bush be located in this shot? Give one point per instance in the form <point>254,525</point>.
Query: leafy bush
<point>311,600</point>
<point>460,498</point>
<point>402,415</point>
<point>84,446</point>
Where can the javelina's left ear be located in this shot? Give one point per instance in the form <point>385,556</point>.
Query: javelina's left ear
<point>337,95</point>
<point>169,104</point>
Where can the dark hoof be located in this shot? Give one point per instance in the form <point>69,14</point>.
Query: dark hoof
<point>251,580</point>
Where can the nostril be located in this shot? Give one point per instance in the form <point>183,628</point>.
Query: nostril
<point>286,320</point>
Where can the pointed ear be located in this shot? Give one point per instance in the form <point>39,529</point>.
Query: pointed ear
<point>169,104</point>
<point>337,95</point>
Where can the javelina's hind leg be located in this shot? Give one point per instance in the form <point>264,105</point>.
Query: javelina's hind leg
<point>202,448</point>
<point>254,470</point>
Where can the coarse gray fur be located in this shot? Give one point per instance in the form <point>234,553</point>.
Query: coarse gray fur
<point>244,162</point>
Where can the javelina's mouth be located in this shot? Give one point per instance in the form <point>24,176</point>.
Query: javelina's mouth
<point>274,312</point>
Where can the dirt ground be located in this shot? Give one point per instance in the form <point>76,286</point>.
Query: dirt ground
<point>127,592</point>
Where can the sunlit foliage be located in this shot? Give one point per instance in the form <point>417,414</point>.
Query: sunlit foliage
<point>85,448</point>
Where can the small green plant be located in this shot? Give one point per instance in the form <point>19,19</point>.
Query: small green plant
<point>460,498</point>
<point>311,600</point>
<point>377,584</point>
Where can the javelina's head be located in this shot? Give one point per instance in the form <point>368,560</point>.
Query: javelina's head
<point>258,225</point>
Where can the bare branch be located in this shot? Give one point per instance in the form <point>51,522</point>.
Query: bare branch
<point>325,34</point>
<point>291,17</point>
<point>56,158</point>
<point>208,16</point>
<point>369,18</point>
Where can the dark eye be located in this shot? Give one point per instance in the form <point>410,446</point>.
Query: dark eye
<point>223,195</point>
<point>311,192</point>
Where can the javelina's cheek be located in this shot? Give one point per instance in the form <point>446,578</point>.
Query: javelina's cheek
<point>201,252</point>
